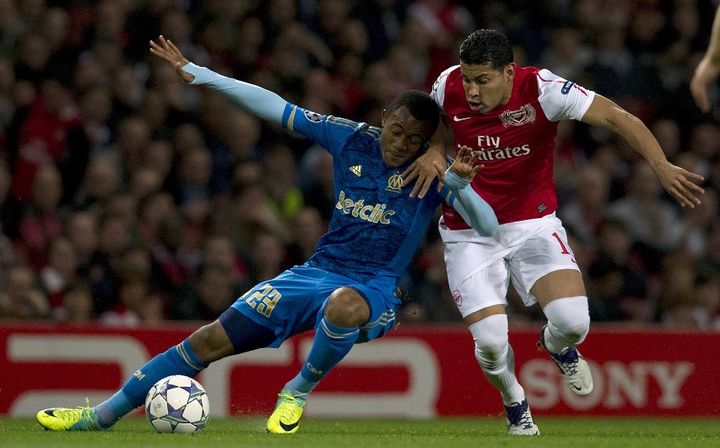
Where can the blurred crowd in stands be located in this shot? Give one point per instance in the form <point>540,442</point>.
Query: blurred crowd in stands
<point>127,197</point>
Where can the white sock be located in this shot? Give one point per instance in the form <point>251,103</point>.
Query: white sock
<point>568,323</point>
<point>495,356</point>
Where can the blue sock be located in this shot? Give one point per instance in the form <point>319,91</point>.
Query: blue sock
<point>330,345</point>
<point>177,360</point>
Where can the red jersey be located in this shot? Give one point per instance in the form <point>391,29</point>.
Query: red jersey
<point>515,141</point>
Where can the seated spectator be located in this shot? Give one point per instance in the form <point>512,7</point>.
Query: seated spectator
<point>307,228</point>
<point>20,297</point>
<point>101,181</point>
<point>427,291</point>
<point>162,231</point>
<point>253,212</point>
<point>238,144</point>
<point>616,279</point>
<point>583,212</point>
<point>136,305</point>
<point>144,182</point>
<point>649,219</point>
<point>81,231</point>
<point>205,297</point>
<point>279,164</point>
<point>711,261</point>
<point>219,250</point>
<point>316,181</point>
<point>76,307</point>
<point>124,206</point>
<point>678,305</point>
<point>159,158</point>
<point>133,137</point>
<point>61,270</point>
<point>194,177</point>
<point>707,294</point>
<point>101,275</point>
<point>40,221</point>
<point>48,122</point>
<point>267,257</point>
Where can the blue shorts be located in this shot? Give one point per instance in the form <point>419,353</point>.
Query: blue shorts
<point>293,302</point>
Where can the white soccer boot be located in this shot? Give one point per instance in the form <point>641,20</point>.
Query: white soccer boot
<point>576,371</point>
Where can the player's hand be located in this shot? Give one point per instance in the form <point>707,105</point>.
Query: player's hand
<point>680,183</point>
<point>466,164</point>
<point>705,75</point>
<point>423,168</point>
<point>168,51</point>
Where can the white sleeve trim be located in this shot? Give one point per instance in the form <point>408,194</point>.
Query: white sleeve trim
<point>438,89</point>
<point>561,99</point>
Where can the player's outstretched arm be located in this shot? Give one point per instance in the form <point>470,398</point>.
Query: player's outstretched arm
<point>680,183</point>
<point>256,100</point>
<point>473,209</point>
<point>708,69</point>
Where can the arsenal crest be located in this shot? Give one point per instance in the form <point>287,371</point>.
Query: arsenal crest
<point>518,117</point>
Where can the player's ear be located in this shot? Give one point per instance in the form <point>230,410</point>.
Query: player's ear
<point>383,117</point>
<point>509,71</point>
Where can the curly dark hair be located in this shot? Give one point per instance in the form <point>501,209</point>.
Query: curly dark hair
<point>487,47</point>
<point>420,105</point>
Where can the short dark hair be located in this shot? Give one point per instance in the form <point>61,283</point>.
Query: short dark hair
<point>487,47</point>
<point>421,106</point>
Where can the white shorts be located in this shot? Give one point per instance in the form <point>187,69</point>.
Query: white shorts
<point>479,268</point>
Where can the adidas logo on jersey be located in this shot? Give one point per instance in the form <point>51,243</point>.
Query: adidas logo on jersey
<point>356,170</point>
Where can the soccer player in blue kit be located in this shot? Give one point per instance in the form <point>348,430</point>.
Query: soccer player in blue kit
<point>346,290</point>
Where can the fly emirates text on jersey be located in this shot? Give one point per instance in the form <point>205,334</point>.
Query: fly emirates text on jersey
<point>489,148</point>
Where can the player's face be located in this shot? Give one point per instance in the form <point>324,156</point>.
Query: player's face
<point>486,87</point>
<point>402,136</point>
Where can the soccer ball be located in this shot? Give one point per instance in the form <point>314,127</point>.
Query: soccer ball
<point>177,403</point>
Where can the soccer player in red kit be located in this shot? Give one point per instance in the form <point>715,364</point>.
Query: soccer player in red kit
<point>508,116</point>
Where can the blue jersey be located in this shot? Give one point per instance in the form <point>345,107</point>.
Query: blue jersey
<point>376,227</point>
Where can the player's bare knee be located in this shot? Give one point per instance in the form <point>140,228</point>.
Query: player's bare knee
<point>210,342</point>
<point>347,308</point>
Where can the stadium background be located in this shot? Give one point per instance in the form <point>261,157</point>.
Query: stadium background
<point>128,199</point>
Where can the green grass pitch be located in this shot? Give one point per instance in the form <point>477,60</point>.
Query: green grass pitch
<point>484,432</point>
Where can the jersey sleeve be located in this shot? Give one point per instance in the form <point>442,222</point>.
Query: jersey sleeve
<point>561,99</point>
<point>473,209</point>
<point>438,89</point>
<point>254,99</point>
<point>327,130</point>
